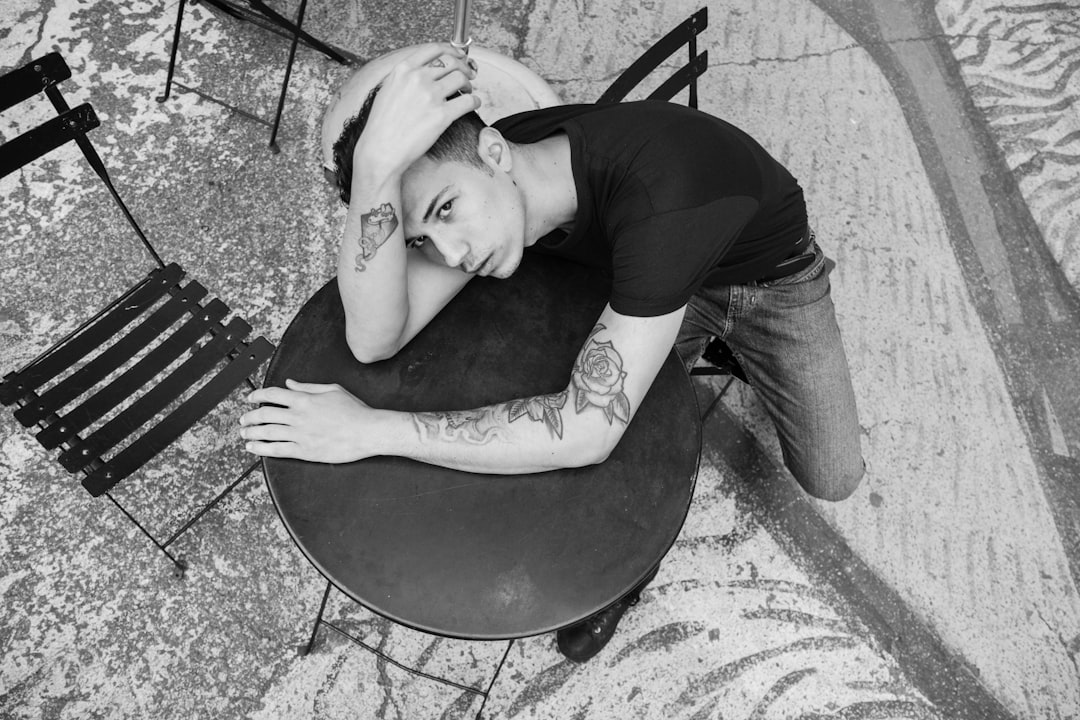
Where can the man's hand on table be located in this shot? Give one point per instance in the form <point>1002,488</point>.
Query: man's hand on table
<point>309,421</point>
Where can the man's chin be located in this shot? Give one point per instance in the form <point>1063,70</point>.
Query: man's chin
<point>503,273</point>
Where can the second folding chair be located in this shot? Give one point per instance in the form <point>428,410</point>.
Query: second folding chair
<point>131,379</point>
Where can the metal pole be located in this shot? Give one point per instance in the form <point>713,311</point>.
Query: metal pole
<point>461,25</point>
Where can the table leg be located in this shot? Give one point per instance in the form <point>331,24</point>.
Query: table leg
<point>486,693</point>
<point>318,621</point>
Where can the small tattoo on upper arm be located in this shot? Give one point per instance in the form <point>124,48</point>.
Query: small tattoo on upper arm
<point>375,228</point>
<point>598,379</point>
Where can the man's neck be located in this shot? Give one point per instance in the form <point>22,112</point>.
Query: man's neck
<point>544,173</point>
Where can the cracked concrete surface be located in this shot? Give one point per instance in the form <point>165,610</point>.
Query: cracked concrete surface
<point>937,143</point>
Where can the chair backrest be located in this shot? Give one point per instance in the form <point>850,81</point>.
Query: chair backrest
<point>44,75</point>
<point>38,76</point>
<point>142,371</point>
<point>684,34</point>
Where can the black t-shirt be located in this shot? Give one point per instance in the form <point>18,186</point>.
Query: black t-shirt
<point>669,199</point>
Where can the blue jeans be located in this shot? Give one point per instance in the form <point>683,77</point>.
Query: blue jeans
<point>785,336</point>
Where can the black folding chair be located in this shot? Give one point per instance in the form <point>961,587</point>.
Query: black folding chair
<point>718,356</point>
<point>133,378</point>
<point>684,34</point>
<point>258,13</point>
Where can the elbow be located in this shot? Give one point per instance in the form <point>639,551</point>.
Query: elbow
<point>597,451</point>
<point>598,456</point>
<point>367,358</point>
<point>372,339</point>
<point>367,353</point>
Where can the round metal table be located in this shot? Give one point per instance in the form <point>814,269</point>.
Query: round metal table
<point>476,556</point>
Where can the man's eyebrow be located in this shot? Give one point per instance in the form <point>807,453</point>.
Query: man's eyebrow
<point>434,202</point>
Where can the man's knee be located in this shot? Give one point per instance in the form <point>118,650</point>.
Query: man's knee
<point>833,483</point>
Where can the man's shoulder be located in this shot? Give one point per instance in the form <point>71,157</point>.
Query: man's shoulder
<point>533,125</point>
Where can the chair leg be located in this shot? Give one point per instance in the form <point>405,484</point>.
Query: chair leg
<point>483,703</point>
<point>179,565</point>
<point>271,20</point>
<point>172,53</point>
<point>213,503</point>
<point>318,622</point>
<point>280,24</point>
<point>716,401</point>
<point>98,166</point>
<point>288,74</point>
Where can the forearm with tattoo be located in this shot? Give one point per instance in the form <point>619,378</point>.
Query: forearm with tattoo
<point>597,381</point>
<point>542,408</point>
<point>375,228</point>
<point>476,427</point>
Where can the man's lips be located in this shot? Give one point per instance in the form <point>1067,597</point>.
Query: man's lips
<point>480,266</point>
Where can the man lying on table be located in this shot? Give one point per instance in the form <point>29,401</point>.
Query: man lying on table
<point>704,235</point>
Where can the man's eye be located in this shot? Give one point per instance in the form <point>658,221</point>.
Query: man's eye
<point>444,211</point>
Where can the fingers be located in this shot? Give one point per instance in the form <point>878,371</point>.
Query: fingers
<point>424,54</point>
<point>442,66</point>
<point>311,388</point>
<point>269,433</point>
<point>274,449</point>
<point>450,85</point>
<point>458,106</point>
<point>449,67</point>
<point>266,414</point>
<point>273,395</point>
<point>450,75</point>
<point>288,396</point>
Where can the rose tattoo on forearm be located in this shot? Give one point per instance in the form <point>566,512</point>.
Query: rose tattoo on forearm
<point>375,228</point>
<point>598,379</point>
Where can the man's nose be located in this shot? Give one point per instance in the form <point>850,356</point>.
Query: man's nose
<point>453,253</point>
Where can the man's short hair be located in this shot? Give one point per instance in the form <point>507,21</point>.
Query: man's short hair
<point>458,143</point>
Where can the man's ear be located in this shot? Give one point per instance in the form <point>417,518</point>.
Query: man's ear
<point>494,150</point>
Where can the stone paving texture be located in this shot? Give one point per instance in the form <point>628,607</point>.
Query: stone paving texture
<point>938,146</point>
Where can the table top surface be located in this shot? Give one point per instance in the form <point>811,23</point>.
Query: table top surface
<point>486,556</point>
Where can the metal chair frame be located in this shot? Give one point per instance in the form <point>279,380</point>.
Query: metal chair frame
<point>258,13</point>
<point>685,33</point>
<point>103,382</point>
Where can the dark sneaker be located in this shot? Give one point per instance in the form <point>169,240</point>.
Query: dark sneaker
<point>583,641</point>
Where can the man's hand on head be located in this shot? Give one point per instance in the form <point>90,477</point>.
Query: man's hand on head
<point>417,101</point>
